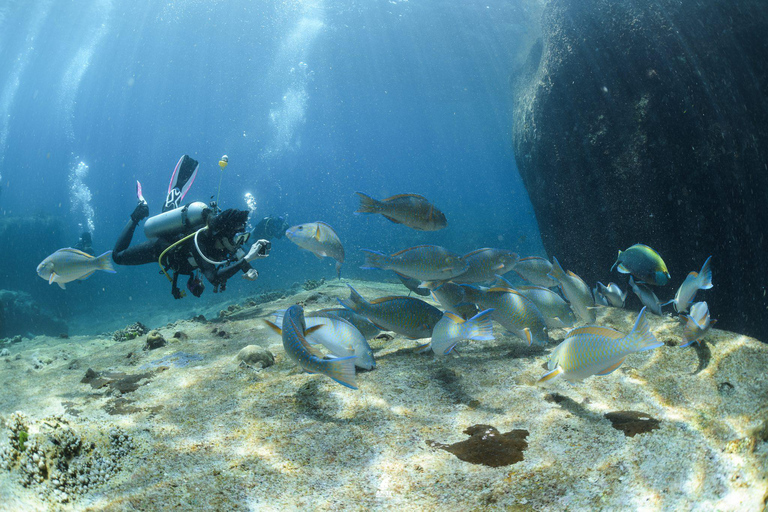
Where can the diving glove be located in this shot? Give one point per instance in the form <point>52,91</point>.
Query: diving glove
<point>141,212</point>
<point>260,249</point>
<point>251,275</point>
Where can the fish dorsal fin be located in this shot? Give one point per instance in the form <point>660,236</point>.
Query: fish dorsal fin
<point>533,258</point>
<point>78,252</point>
<point>455,318</point>
<point>384,299</point>
<point>537,288</point>
<point>597,330</point>
<point>476,251</point>
<point>612,368</point>
<point>402,196</point>
<point>412,248</point>
<point>501,289</point>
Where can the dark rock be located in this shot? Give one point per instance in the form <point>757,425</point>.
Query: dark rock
<point>648,122</point>
<point>632,422</point>
<point>154,340</point>
<point>488,446</point>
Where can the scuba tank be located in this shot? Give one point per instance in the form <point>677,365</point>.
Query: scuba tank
<point>183,219</point>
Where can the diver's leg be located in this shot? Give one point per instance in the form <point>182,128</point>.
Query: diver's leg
<point>145,252</point>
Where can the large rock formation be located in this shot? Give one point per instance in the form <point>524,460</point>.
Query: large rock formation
<point>648,122</point>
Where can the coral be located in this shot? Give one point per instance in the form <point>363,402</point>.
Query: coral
<point>154,340</point>
<point>311,284</point>
<point>131,332</point>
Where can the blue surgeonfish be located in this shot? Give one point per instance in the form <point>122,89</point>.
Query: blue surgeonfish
<point>595,350</point>
<point>576,292</point>
<point>697,324</point>
<point>66,265</point>
<point>320,239</point>
<point>410,210</point>
<point>694,282</point>
<point>644,263</point>
<point>646,296</point>
<point>486,263</point>
<point>452,329</point>
<point>294,332</point>
<point>516,313</point>
<point>340,337</point>
<point>408,316</point>
<point>612,294</point>
<point>425,262</point>
<point>536,271</point>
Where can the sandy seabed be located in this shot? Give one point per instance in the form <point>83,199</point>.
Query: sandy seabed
<point>188,427</point>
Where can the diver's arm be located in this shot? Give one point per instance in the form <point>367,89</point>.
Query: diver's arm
<point>218,275</point>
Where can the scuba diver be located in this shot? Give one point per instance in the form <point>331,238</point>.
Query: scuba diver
<point>191,240</point>
<point>85,244</point>
<point>270,227</point>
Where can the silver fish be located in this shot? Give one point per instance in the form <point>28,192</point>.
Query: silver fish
<point>516,313</point>
<point>410,210</point>
<point>646,296</point>
<point>694,282</point>
<point>452,329</point>
<point>454,299</point>
<point>557,313</point>
<point>576,292</point>
<point>697,324</point>
<point>66,265</point>
<point>484,264</point>
<point>425,262</point>
<point>613,294</point>
<point>363,325</point>
<point>600,299</point>
<point>413,284</point>
<point>536,271</point>
<point>320,239</point>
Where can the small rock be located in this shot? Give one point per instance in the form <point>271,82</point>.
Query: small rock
<point>4,352</point>
<point>154,340</point>
<point>17,339</point>
<point>180,335</point>
<point>255,355</point>
<point>64,336</point>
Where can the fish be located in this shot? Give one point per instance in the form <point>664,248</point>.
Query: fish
<point>516,313</point>
<point>557,313</point>
<point>576,292</point>
<point>425,262</point>
<point>600,299</point>
<point>66,265</point>
<point>646,296</point>
<point>693,282</point>
<point>697,324</point>
<point>320,239</point>
<point>407,316</point>
<point>486,263</point>
<point>536,271</point>
<point>454,299</point>
<point>340,337</point>
<point>410,210</point>
<point>613,294</point>
<point>595,350</point>
<point>644,263</point>
<point>365,326</point>
<point>294,333</point>
<point>413,285</point>
<point>452,329</point>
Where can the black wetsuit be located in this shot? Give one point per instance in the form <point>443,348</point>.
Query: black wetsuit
<point>183,259</point>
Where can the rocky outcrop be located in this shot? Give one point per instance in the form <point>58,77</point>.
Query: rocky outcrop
<point>648,122</point>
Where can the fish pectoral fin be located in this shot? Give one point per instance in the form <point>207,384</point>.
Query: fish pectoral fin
<point>319,255</point>
<point>317,233</point>
<point>550,375</point>
<point>612,368</point>
<point>391,219</point>
<point>621,268</point>
<point>528,337</point>
<point>52,278</point>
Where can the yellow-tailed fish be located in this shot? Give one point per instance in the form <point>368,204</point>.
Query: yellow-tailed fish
<point>320,239</point>
<point>697,324</point>
<point>644,263</point>
<point>66,265</point>
<point>516,313</point>
<point>646,296</point>
<point>486,263</point>
<point>294,332</point>
<point>408,316</point>
<point>410,210</point>
<point>340,337</point>
<point>536,271</point>
<point>557,313</point>
<point>425,262</point>
<point>612,294</point>
<point>452,329</point>
<point>576,292</point>
<point>694,282</point>
<point>595,350</point>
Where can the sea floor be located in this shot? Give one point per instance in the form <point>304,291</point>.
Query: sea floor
<point>111,426</point>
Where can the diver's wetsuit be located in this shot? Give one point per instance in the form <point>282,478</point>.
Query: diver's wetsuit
<point>179,257</point>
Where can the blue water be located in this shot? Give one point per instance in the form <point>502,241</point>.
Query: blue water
<point>311,101</point>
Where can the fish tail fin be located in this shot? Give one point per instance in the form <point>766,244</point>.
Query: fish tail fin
<point>355,302</point>
<point>706,276</point>
<point>374,259</point>
<point>104,262</point>
<point>342,370</point>
<point>641,338</point>
<point>617,261</point>
<point>367,204</point>
<point>338,269</point>
<point>479,327</point>
<point>557,271</point>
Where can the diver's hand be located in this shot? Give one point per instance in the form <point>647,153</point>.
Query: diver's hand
<point>176,292</point>
<point>251,275</point>
<point>141,212</point>
<point>260,249</point>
